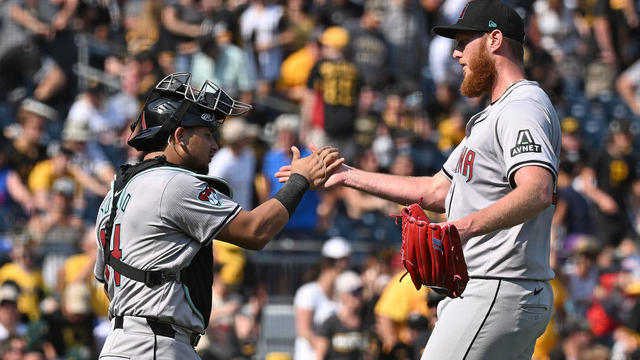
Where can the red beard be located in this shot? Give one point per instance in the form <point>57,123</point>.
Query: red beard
<point>481,73</point>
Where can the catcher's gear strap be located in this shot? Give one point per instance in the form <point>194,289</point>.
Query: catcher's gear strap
<point>148,277</point>
<point>291,193</point>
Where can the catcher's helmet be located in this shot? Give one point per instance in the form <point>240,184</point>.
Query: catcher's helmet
<point>173,102</point>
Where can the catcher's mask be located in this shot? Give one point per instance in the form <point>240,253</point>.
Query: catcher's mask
<point>173,103</point>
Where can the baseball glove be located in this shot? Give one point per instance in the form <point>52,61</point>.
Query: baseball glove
<point>432,253</point>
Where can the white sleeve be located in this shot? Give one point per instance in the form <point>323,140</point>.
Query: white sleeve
<point>449,167</point>
<point>304,298</point>
<point>524,133</point>
<point>196,208</point>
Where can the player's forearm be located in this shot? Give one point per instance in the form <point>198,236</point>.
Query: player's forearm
<point>520,205</point>
<point>401,189</point>
<point>253,230</point>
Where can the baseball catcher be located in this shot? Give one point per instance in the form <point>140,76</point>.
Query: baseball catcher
<point>432,253</point>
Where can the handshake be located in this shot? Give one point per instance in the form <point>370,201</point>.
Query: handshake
<point>320,168</point>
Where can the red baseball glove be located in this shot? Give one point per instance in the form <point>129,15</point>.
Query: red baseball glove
<point>432,253</point>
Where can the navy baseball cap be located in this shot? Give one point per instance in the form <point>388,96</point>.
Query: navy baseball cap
<point>486,16</point>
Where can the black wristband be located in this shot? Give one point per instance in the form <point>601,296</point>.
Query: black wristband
<point>292,191</point>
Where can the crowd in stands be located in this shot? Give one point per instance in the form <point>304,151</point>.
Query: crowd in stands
<point>367,76</point>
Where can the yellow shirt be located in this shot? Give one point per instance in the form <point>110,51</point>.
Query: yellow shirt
<point>74,267</point>
<point>398,300</point>
<point>42,176</point>
<point>31,286</point>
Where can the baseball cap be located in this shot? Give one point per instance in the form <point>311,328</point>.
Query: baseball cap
<point>486,16</point>
<point>347,282</point>
<point>8,292</point>
<point>236,129</point>
<point>336,248</point>
<point>36,107</point>
<point>335,36</point>
<point>64,185</point>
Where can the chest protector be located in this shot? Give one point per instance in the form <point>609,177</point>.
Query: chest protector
<point>197,277</point>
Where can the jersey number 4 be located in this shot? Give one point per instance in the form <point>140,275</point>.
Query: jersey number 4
<point>116,252</point>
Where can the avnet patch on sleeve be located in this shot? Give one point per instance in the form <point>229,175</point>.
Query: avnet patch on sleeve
<point>525,144</point>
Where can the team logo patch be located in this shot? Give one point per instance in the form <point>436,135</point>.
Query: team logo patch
<point>492,24</point>
<point>463,11</point>
<point>525,144</point>
<point>209,194</point>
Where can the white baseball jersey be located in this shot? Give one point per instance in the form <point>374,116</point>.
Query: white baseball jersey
<point>519,129</point>
<point>165,215</point>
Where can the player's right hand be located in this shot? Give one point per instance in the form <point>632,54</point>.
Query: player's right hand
<point>316,167</point>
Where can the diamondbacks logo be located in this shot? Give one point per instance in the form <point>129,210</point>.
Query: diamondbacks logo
<point>465,163</point>
<point>525,144</point>
<point>463,11</point>
<point>210,195</point>
<point>492,24</point>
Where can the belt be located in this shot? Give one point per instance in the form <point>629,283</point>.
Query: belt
<point>160,329</point>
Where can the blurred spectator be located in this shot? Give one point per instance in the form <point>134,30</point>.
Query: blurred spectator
<point>607,179</point>
<point>573,153</point>
<point>89,163</point>
<point>182,19</point>
<point>142,25</point>
<point>15,348</point>
<point>572,209</point>
<point>70,328</point>
<point>57,231</point>
<point>261,28</point>
<point>553,21</point>
<point>582,272</point>
<point>235,161</point>
<point>302,223</point>
<point>403,27</point>
<point>122,107</point>
<point>343,13</point>
<point>23,66</point>
<point>10,324</point>
<point>342,335</point>
<point>79,269</point>
<point>299,26</point>
<point>329,108</point>
<point>23,271</point>
<point>27,148</point>
<point>296,68</point>
<point>397,303</point>
<point>16,202</point>
<point>370,51</point>
<point>222,62</point>
<point>628,86</point>
<point>46,172</point>
<point>313,301</point>
<point>576,337</point>
<point>360,216</point>
<point>221,334</point>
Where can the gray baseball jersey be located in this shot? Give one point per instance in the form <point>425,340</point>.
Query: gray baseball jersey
<point>520,129</point>
<point>165,215</point>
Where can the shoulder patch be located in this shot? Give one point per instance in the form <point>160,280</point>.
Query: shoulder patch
<point>525,144</point>
<point>209,194</point>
